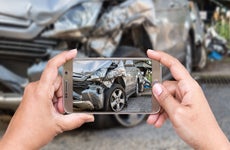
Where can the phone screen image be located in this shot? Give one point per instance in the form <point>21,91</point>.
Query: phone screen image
<point>112,85</point>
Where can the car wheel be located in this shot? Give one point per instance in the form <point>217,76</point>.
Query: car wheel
<point>188,55</point>
<point>116,98</point>
<point>203,58</point>
<point>102,122</point>
<point>137,89</point>
<point>130,120</point>
<point>141,87</point>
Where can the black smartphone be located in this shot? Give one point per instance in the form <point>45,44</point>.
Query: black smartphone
<point>110,85</point>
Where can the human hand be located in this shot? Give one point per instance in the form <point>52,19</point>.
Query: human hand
<point>39,117</point>
<point>185,105</point>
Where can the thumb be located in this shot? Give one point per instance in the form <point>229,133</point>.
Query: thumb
<point>74,120</point>
<point>165,99</point>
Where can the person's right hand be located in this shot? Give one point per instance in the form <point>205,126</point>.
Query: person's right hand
<point>185,105</point>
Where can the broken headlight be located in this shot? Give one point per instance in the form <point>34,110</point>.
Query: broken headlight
<point>98,75</point>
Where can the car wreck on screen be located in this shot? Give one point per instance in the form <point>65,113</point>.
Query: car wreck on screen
<point>105,84</point>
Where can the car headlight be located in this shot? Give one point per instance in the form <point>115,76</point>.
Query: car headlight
<point>78,17</point>
<point>97,75</point>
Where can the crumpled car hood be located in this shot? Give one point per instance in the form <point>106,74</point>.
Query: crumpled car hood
<point>90,66</point>
<point>83,69</point>
<point>42,11</point>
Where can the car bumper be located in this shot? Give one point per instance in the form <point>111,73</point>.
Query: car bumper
<point>92,98</point>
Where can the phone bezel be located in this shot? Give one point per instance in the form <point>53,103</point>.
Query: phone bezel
<point>68,84</point>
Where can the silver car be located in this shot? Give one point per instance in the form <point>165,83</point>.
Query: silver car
<point>105,85</point>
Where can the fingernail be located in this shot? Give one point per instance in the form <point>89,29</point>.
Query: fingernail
<point>157,89</point>
<point>150,51</point>
<point>152,118</point>
<point>73,51</point>
<point>90,119</point>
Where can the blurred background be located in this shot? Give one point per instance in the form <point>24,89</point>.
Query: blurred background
<point>195,32</point>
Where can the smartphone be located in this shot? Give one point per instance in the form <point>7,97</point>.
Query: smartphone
<point>110,85</point>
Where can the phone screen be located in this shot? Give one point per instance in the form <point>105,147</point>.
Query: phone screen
<point>111,85</point>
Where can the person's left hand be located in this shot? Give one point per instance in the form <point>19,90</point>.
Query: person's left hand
<point>39,117</point>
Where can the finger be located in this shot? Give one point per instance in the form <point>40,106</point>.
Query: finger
<point>50,73</point>
<point>60,105</point>
<point>176,68</point>
<point>157,119</point>
<point>58,87</point>
<point>165,99</point>
<point>161,120</point>
<point>59,95</point>
<point>171,86</point>
<point>152,119</point>
<point>74,120</point>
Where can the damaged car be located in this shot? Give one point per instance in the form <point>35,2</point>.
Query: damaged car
<point>105,85</point>
<point>31,32</point>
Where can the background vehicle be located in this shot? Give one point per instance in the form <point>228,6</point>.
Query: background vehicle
<point>31,32</point>
<point>215,43</point>
<point>200,55</point>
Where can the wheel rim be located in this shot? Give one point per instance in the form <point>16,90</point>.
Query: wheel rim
<point>130,120</point>
<point>188,60</point>
<point>117,101</point>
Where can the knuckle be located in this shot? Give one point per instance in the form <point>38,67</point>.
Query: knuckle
<point>49,64</point>
<point>178,114</point>
<point>29,87</point>
<point>164,96</point>
<point>165,83</point>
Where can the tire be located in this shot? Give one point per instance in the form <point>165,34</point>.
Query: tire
<point>130,120</point>
<point>141,87</point>
<point>102,122</point>
<point>116,98</point>
<point>188,55</point>
<point>137,90</point>
<point>203,58</point>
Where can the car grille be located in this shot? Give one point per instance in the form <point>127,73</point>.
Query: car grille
<point>82,84</point>
<point>31,48</point>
